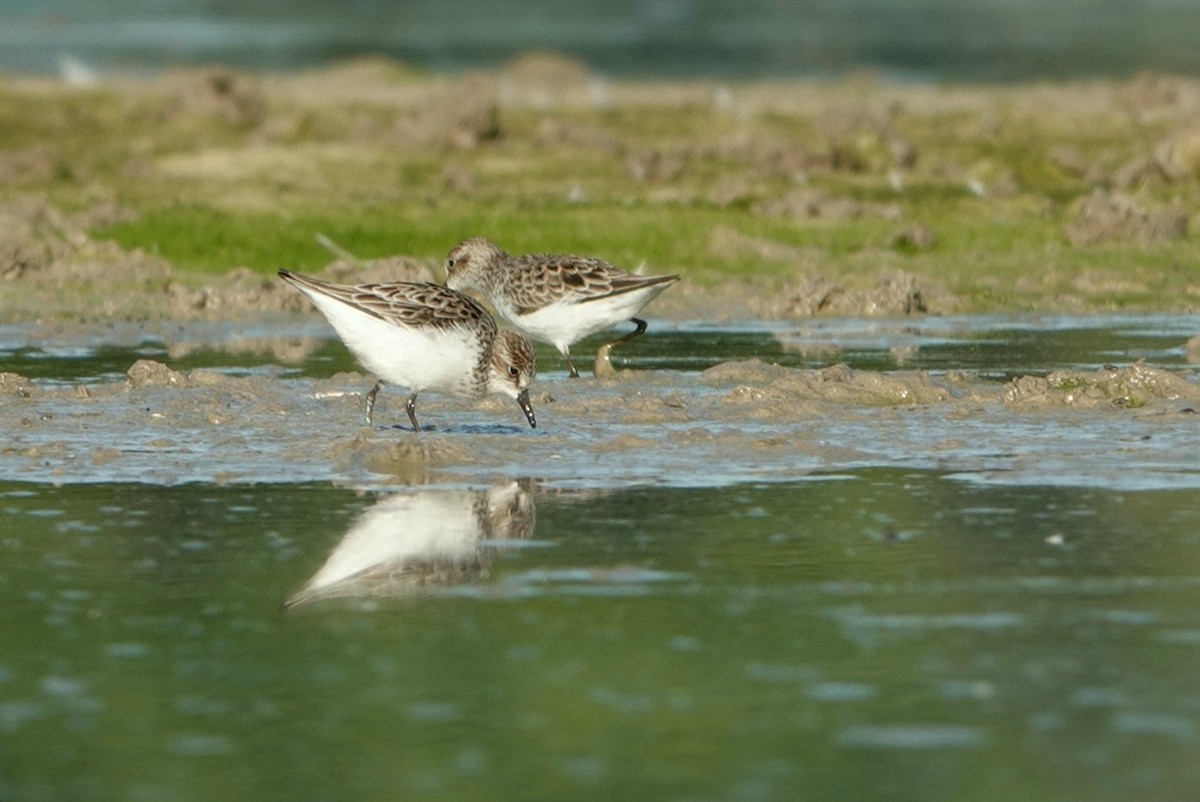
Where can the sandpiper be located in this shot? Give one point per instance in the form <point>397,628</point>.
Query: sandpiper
<point>557,299</point>
<point>424,337</point>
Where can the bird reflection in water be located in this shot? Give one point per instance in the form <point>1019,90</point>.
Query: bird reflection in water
<point>416,541</point>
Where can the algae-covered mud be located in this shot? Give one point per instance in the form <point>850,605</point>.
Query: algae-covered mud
<point>178,196</point>
<point>895,498</point>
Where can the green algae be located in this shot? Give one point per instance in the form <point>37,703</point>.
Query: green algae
<point>248,174</point>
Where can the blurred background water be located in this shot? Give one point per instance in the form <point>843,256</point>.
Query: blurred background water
<point>937,40</point>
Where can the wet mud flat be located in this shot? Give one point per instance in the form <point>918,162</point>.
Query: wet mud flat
<point>737,421</point>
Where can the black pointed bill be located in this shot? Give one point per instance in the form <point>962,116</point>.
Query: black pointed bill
<point>523,400</point>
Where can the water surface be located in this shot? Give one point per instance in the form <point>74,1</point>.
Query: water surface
<point>936,40</point>
<point>237,590</point>
<point>877,631</point>
<point>994,347</point>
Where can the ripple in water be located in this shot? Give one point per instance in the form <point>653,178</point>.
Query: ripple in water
<point>911,736</point>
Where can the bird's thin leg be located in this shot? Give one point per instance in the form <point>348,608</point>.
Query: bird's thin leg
<point>566,352</point>
<point>641,328</point>
<point>411,406</point>
<point>371,401</point>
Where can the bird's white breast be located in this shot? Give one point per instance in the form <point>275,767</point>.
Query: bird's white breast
<point>568,321</point>
<point>417,357</point>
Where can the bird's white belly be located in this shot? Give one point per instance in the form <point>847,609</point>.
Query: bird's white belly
<point>564,323</point>
<point>416,358</point>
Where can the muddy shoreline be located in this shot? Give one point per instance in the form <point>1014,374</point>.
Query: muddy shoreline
<point>738,421</point>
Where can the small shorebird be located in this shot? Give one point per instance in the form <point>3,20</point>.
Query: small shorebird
<point>425,337</point>
<point>557,299</point>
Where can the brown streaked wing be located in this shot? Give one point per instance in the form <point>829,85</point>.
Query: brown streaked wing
<point>628,283</point>
<point>540,279</point>
<point>420,304</point>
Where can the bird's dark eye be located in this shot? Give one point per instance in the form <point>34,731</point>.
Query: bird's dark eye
<point>449,263</point>
<point>512,370</point>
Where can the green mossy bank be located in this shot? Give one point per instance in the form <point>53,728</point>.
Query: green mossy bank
<point>784,199</point>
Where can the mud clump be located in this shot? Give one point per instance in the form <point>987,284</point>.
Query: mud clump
<point>758,383</point>
<point>464,116</point>
<point>743,371</point>
<point>656,166</point>
<point>555,133</point>
<point>624,442</point>
<point>898,293</point>
<point>1175,159</point>
<point>1071,161</point>
<point>36,164</point>
<point>58,266</point>
<point>1105,217</point>
<point>241,289</point>
<point>402,454</point>
<point>148,373</point>
<point>386,269</point>
<point>766,156</point>
<point>14,384</point>
<point>1149,95</point>
<point>1181,153</point>
<point>283,350</point>
<point>726,242</point>
<point>220,93</point>
<point>812,204</point>
<point>653,408</point>
<point>915,237</point>
<point>33,235</point>
<point>865,141</point>
<point>548,79</point>
<point>1192,350</point>
<point>1131,387</point>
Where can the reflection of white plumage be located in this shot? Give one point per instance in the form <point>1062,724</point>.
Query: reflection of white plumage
<point>410,541</point>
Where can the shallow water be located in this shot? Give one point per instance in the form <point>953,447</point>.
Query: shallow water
<point>993,347</point>
<point>874,631</point>
<point>936,601</point>
<point>923,39</point>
